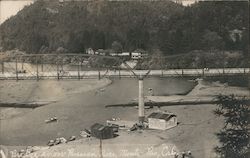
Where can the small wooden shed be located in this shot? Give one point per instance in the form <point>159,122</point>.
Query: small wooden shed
<point>161,120</point>
<point>101,131</point>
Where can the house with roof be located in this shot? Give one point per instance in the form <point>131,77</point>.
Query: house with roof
<point>138,54</point>
<point>90,51</point>
<point>236,34</point>
<point>162,120</point>
<point>101,131</point>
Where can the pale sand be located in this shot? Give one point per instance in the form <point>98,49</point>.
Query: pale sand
<point>196,131</point>
<point>44,90</point>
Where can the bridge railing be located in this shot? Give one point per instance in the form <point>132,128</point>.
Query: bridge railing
<point>80,66</point>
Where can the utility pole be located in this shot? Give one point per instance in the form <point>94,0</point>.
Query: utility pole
<point>101,156</point>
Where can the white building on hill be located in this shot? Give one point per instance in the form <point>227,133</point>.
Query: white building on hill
<point>90,51</point>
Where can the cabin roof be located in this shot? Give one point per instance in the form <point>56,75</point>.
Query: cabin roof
<point>160,115</point>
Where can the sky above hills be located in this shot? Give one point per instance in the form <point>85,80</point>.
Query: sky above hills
<point>10,8</point>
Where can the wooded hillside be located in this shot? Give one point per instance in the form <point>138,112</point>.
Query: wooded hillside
<point>169,27</point>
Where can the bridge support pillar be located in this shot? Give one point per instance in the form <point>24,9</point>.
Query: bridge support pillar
<point>41,65</point>
<point>37,75</point>
<point>78,71</point>
<point>119,73</point>
<point>141,101</point>
<point>99,75</point>
<point>2,67</point>
<point>16,71</point>
<point>81,66</point>
<point>57,71</point>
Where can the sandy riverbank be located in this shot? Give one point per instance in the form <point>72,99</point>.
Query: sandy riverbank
<point>42,91</point>
<point>46,90</point>
<point>195,132</point>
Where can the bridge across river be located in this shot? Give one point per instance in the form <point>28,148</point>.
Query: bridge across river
<point>123,73</point>
<point>80,66</point>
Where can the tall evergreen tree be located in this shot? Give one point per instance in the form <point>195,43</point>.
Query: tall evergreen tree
<point>234,136</point>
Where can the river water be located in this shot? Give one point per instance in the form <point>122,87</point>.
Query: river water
<point>78,111</point>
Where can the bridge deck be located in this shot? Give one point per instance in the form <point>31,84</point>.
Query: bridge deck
<point>122,73</point>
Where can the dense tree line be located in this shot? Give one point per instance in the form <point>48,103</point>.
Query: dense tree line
<point>149,25</point>
<point>234,137</point>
